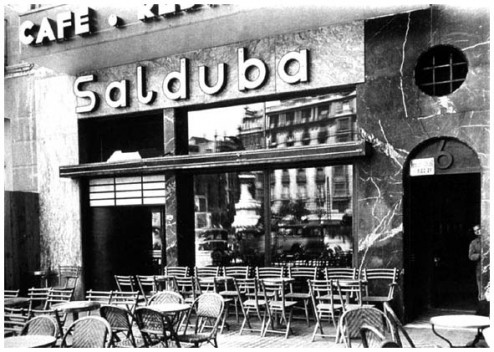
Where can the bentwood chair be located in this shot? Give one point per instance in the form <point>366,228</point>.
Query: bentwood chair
<point>299,289</point>
<point>253,303</point>
<point>68,275</point>
<point>207,271</point>
<point>207,313</point>
<point>277,305</point>
<point>180,271</point>
<point>120,320</point>
<point>14,320</point>
<point>373,338</point>
<point>103,297</point>
<point>88,332</point>
<point>147,286</point>
<point>37,297</point>
<point>126,283</point>
<point>340,273</point>
<point>326,302</point>
<point>155,327</point>
<point>354,319</point>
<point>166,297</point>
<point>41,325</point>
<point>381,283</point>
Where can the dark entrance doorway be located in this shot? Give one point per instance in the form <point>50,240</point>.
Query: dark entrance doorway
<point>440,211</point>
<point>121,242</point>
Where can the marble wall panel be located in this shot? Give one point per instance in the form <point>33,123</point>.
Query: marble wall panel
<point>336,59</point>
<point>395,117</point>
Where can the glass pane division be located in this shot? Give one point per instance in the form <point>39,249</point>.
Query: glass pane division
<point>311,216</point>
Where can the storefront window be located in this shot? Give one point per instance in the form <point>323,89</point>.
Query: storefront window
<point>309,211</point>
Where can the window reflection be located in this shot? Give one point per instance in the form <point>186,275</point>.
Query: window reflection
<point>310,207</point>
<point>324,119</point>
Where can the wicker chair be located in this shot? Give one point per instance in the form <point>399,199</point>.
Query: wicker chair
<point>397,327</point>
<point>155,327</point>
<point>88,332</point>
<point>120,320</point>
<point>166,297</point>
<point>42,325</point>
<point>354,319</point>
<point>208,312</point>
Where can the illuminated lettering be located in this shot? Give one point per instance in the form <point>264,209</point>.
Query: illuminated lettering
<point>82,21</point>
<point>220,80</point>
<point>179,77</point>
<point>117,89</point>
<point>243,66</point>
<point>25,33</point>
<point>302,73</point>
<point>64,21</point>
<point>87,94</point>
<point>141,87</point>
<point>45,31</point>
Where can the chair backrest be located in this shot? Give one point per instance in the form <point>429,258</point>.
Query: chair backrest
<point>68,275</point>
<point>37,297</point>
<point>166,297</point>
<point>371,337</point>
<point>103,297</point>
<point>340,273</point>
<point>274,291</point>
<point>186,287</point>
<point>240,272</point>
<point>125,299</point>
<point>126,283</point>
<point>381,281</point>
<point>151,322</point>
<point>269,271</point>
<point>325,291</point>
<point>352,291</point>
<point>41,325</point>
<point>56,296</point>
<point>120,319</point>
<point>301,274</point>
<point>14,320</point>
<point>178,271</point>
<point>207,271</point>
<point>397,326</point>
<point>147,285</point>
<point>249,287</point>
<point>352,321</point>
<point>89,332</point>
<point>11,293</point>
<point>207,307</point>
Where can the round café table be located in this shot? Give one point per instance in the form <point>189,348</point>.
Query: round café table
<point>174,310</point>
<point>29,341</point>
<point>460,321</point>
<point>75,307</point>
<point>16,302</point>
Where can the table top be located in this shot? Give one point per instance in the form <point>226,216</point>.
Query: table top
<point>16,302</point>
<point>461,321</point>
<point>170,307</point>
<point>77,306</point>
<point>29,341</point>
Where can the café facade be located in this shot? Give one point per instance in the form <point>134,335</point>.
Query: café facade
<point>144,136</point>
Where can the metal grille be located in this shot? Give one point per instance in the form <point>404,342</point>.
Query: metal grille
<point>441,70</point>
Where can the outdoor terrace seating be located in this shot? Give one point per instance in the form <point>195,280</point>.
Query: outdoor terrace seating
<point>88,332</point>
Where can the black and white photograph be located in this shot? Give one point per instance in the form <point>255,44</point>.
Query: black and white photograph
<point>246,175</point>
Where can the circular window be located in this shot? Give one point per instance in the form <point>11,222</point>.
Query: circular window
<point>441,70</point>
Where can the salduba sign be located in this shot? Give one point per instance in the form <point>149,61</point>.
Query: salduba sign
<point>175,85</point>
